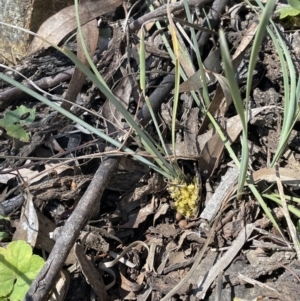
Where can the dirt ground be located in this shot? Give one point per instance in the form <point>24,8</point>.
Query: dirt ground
<point>229,250</point>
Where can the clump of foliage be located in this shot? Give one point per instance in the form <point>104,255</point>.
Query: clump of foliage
<point>14,121</point>
<point>18,268</point>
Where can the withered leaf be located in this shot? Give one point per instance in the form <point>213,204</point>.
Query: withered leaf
<point>90,35</point>
<point>213,148</point>
<point>61,24</point>
<point>28,227</point>
<point>212,64</point>
<point>218,106</point>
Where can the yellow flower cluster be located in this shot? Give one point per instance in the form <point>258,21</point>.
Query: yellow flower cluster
<point>186,197</point>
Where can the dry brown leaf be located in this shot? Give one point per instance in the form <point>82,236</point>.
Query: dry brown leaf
<point>64,22</point>
<point>46,226</point>
<point>258,283</point>
<point>176,257</point>
<point>143,214</point>
<point>28,226</point>
<point>185,60</point>
<point>149,265</point>
<point>90,34</point>
<point>165,256</point>
<point>213,149</point>
<point>162,210</point>
<point>91,274</point>
<point>219,105</point>
<point>61,287</point>
<point>287,175</point>
<point>128,285</point>
<point>222,80</point>
<point>114,119</point>
<point>180,150</point>
<point>212,64</point>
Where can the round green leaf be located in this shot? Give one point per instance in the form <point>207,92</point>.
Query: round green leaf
<point>6,274</point>
<point>18,268</point>
<point>288,11</point>
<point>295,4</point>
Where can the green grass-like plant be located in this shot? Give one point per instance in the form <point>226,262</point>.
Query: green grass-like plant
<point>169,169</point>
<point>181,189</point>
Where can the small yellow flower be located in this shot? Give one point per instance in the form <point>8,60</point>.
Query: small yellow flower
<point>172,189</point>
<point>181,211</point>
<point>191,188</point>
<point>192,203</point>
<point>185,196</point>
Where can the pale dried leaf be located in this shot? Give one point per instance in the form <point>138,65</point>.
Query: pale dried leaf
<point>162,210</point>
<point>287,175</point>
<point>165,256</point>
<point>114,119</point>
<point>32,176</point>
<point>182,238</point>
<point>142,215</point>
<point>258,283</point>
<point>61,287</point>
<point>28,226</point>
<point>149,265</point>
<point>176,257</point>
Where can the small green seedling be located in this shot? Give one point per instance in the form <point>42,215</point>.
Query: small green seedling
<point>18,268</point>
<point>4,235</point>
<point>291,10</point>
<point>14,120</point>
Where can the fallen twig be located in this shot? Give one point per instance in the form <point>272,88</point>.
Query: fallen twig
<point>43,283</point>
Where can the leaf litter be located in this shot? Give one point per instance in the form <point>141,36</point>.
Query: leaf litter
<point>244,248</point>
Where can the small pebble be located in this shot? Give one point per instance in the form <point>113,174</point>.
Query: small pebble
<point>178,216</point>
<point>182,224</point>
